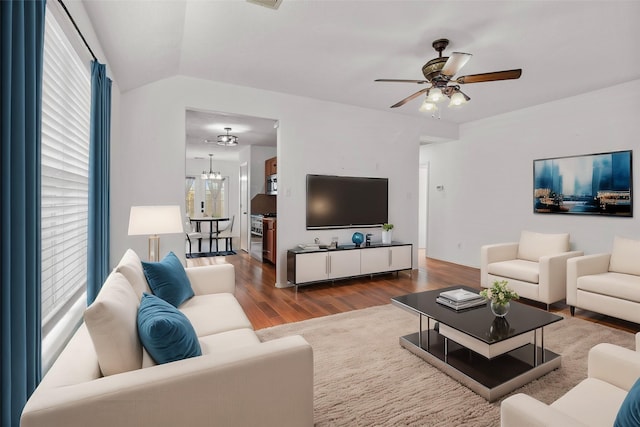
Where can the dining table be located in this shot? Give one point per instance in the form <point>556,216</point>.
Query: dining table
<point>213,227</point>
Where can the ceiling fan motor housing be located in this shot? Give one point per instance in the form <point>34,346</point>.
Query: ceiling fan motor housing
<point>431,70</point>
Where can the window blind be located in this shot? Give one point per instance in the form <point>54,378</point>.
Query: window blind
<point>66,103</point>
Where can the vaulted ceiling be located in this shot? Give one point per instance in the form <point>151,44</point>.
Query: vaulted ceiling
<point>334,49</point>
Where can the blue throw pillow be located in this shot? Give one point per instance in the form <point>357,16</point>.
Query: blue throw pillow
<point>629,412</point>
<point>168,280</point>
<point>165,332</point>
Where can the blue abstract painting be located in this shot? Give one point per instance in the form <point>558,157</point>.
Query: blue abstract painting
<point>593,184</point>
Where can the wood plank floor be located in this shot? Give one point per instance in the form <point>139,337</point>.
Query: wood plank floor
<point>266,305</point>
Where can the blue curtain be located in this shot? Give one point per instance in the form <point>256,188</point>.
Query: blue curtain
<point>99,161</point>
<point>21,51</point>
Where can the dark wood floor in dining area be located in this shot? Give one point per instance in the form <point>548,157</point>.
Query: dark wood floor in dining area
<point>266,305</point>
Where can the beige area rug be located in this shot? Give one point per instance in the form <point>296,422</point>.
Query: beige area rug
<point>364,378</point>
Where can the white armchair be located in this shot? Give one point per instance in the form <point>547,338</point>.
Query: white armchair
<point>612,371</point>
<point>535,266</point>
<point>607,283</point>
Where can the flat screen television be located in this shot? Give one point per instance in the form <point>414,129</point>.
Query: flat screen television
<point>346,201</point>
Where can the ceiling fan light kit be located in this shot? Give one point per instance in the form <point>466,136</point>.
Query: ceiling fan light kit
<point>439,73</point>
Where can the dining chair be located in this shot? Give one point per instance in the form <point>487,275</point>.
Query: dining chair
<point>226,234</point>
<point>192,235</point>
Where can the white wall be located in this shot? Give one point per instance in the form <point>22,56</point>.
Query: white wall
<point>487,173</point>
<point>314,137</point>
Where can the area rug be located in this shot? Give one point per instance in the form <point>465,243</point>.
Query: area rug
<point>364,378</point>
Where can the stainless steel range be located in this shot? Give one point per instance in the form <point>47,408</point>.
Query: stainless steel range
<point>256,247</point>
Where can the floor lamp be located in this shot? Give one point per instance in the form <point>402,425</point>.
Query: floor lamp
<point>152,221</point>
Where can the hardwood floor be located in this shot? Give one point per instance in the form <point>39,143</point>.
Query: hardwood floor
<point>266,305</point>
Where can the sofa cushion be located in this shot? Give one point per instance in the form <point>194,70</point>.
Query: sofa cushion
<point>629,413</point>
<point>616,285</point>
<point>111,322</point>
<point>593,402</point>
<point>519,269</point>
<point>168,280</point>
<point>534,245</point>
<point>215,313</point>
<point>131,267</point>
<point>625,256</point>
<point>228,341</point>
<point>165,332</point>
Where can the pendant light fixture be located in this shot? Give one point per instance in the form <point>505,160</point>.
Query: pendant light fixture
<point>211,174</point>
<point>227,140</point>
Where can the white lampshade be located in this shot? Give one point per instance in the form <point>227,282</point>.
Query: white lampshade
<point>149,220</point>
<point>154,220</point>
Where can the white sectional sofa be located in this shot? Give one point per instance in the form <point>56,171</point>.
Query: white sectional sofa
<point>595,401</point>
<point>607,283</point>
<point>104,378</point>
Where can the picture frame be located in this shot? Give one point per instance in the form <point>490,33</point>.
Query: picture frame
<point>591,184</point>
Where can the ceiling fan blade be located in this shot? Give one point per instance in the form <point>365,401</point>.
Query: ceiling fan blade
<point>489,77</point>
<point>410,97</point>
<point>456,61</point>
<point>420,82</point>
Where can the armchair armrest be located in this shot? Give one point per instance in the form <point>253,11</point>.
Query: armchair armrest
<point>616,365</point>
<point>583,266</point>
<point>267,384</point>
<point>212,279</point>
<point>521,410</point>
<point>553,275</point>
<point>495,253</point>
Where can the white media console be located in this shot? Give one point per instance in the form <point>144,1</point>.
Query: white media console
<point>318,265</point>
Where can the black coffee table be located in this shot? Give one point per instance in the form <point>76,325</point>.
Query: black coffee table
<point>491,355</point>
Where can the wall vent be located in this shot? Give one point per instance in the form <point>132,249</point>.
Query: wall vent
<point>271,4</point>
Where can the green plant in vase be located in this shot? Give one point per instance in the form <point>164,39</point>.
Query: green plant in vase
<point>386,233</point>
<point>500,296</point>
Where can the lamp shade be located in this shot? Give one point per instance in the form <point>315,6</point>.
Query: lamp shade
<point>150,220</point>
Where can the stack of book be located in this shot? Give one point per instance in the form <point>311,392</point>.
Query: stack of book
<point>459,299</point>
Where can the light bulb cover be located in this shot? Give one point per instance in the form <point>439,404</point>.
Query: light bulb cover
<point>435,95</point>
<point>457,100</point>
<point>428,106</point>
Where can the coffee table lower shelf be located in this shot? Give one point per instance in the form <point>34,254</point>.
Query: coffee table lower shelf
<point>490,378</point>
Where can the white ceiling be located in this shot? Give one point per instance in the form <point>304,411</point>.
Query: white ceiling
<point>205,125</point>
<point>334,49</point>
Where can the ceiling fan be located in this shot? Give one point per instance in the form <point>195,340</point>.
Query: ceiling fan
<point>439,74</point>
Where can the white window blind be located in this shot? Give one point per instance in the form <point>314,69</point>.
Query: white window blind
<point>66,103</point>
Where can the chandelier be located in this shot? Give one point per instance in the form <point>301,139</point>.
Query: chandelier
<point>211,174</point>
<point>227,140</point>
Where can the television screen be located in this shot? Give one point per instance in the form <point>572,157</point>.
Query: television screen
<point>345,201</point>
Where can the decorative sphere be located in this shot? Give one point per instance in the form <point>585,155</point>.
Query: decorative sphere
<point>357,238</point>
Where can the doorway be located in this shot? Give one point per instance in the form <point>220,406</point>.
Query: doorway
<point>241,164</point>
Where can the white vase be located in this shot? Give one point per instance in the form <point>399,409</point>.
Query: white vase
<point>386,237</point>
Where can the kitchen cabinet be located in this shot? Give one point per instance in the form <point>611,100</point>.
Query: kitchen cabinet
<point>270,166</point>
<point>308,266</point>
<point>269,233</point>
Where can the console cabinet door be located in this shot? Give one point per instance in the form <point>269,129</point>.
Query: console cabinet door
<point>378,260</point>
<point>312,267</point>
<point>344,263</point>
<point>374,260</point>
<point>401,258</point>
